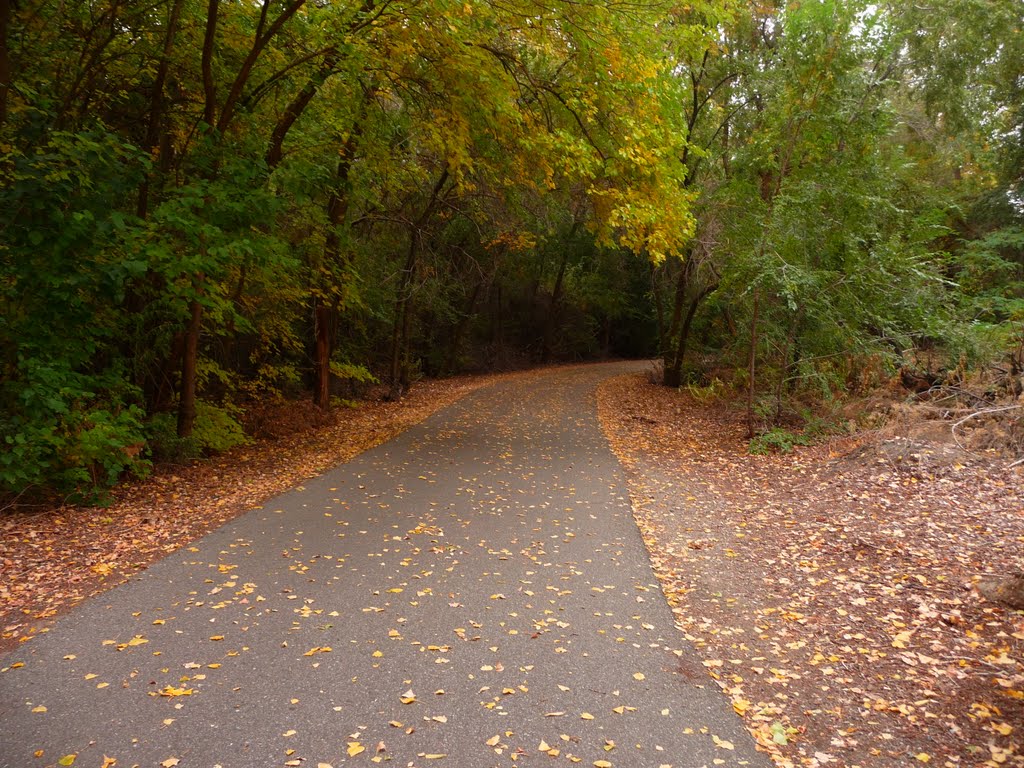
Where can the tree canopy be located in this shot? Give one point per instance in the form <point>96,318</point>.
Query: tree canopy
<point>209,202</point>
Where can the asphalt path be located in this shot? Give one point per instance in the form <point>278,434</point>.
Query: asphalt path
<point>474,593</point>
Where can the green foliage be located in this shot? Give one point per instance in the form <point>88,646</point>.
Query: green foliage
<point>164,444</point>
<point>777,440</point>
<point>436,186</point>
<point>217,430</point>
<point>59,432</point>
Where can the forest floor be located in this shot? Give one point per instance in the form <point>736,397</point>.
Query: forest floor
<point>56,555</point>
<point>831,590</point>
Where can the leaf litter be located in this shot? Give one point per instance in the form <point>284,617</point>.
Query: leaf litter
<point>831,591</point>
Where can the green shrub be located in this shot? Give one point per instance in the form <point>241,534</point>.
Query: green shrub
<point>67,432</point>
<point>777,440</point>
<point>216,429</point>
<point>164,444</point>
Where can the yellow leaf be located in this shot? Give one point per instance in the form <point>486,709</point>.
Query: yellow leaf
<point>217,638</point>
<point>1003,728</point>
<point>439,718</point>
<point>355,748</point>
<point>109,762</point>
<point>67,760</point>
<point>722,743</point>
<point>586,716</point>
<point>324,765</point>
<point>40,708</point>
<point>408,697</point>
<point>138,640</point>
<point>170,692</point>
<point>638,676</point>
<point>543,746</point>
<point>395,724</point>
<point>602,764</point>
<point>493,741</point>
<point>170,762</point>
<point>434,756</point>
<point>924,757</point>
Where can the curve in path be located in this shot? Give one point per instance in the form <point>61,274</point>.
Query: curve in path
<point>464,596</point>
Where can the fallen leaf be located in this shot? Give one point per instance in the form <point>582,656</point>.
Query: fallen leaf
<point>722,743</point>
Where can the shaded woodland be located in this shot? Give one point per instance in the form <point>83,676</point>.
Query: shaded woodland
<point>208,205</point>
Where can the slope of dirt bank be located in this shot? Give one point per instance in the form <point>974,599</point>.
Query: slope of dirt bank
<point>830,591</point>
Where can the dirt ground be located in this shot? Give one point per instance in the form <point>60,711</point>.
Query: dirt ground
<point>830,591</point>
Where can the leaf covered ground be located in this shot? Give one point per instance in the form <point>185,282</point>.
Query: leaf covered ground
<point>830,591</point>
<point>54,556</point>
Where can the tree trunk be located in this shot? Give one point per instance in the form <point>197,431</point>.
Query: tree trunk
<point>322,319</point>
<point>671,365</point>
<point>156,105</point>
<point>190,354</point>
<point>460,330</point>
<point>163,393</point>
<point>551,322</point>
<point>676,372</point>
<point>5,58</point>
<point>400,329</point>
<point>209,44</point>
<point>659,306</point>
<point>751,369</point>
<point>325,317</point>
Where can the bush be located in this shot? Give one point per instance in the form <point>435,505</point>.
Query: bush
<point>777,440</point>
<point>216,430</point>
<point>68,432</point>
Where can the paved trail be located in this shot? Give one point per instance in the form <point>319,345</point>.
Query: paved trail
<point>461,594</point>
